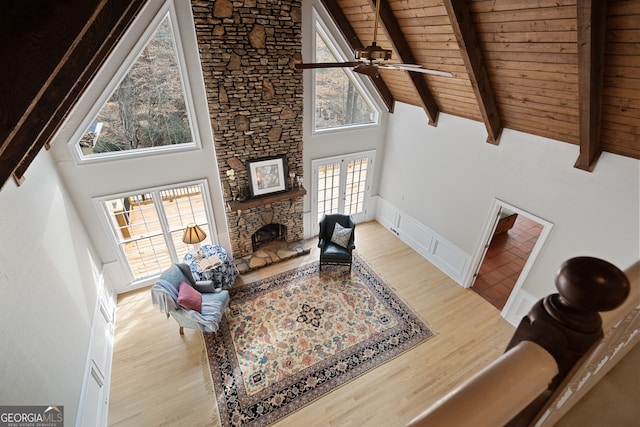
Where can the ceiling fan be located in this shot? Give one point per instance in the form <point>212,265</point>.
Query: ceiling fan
<point>373,58</point>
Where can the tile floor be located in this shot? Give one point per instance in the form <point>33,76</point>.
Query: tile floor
<point>505,258</point>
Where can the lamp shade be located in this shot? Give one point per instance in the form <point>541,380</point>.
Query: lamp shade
<point>193,234</point>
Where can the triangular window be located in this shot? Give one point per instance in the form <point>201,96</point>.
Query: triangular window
<point>339,99</point>
<point>147,110</point>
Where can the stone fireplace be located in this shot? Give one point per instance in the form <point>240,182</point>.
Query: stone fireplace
<point>248,49</point>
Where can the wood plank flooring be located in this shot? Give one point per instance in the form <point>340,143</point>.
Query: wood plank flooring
<point>159,377</point>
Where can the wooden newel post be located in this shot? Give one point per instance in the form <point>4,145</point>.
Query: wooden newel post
<point>567,324</point>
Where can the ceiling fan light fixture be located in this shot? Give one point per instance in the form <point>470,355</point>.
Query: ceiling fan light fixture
<point>373,53</point>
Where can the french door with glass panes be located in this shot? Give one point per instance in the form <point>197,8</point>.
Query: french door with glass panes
<point>148,225</point>
<point>341,185</point>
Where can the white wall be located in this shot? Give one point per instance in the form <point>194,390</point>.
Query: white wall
<point>49,279</point>
<point>446,177</point>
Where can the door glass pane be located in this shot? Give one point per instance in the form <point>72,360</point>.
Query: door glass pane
<point>183,206</point>
<point>149,227</point>
<point>356,184</point>
<point>143,216</point>
<point>147,256</point>
<point>328,189</point>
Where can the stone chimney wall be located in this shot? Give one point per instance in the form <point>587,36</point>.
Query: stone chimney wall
<point>248,49</point>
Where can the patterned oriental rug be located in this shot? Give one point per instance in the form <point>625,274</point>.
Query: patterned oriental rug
<point>289,339</point>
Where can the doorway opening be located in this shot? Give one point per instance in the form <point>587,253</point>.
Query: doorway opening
<point>514,239</point>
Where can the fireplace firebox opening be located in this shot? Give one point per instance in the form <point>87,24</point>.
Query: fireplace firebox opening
<point>268,233</point>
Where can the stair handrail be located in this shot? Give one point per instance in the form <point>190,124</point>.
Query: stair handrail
<point>621,333</point>
<point>551,341</point>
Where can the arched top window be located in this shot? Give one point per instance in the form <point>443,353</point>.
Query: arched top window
<point>340,100</point>
<point>147,108</point>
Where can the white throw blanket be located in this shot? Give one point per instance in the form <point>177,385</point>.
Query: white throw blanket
<point>164,296</point>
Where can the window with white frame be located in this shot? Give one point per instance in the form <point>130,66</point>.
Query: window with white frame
<point>149,226</point>
<point>339,99</point>
<point>148,110</point>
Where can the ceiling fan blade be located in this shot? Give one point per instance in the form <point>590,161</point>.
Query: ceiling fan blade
<point>307,66</point>
<point>417,69</point>
<point>367,69</point>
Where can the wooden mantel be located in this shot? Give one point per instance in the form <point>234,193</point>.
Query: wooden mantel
<point>236,205</point>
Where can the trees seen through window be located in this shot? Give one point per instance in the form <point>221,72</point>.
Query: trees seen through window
<point>338,101</point>
<point>148,108</point>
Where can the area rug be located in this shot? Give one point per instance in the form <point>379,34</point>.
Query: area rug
<point>291,338</point>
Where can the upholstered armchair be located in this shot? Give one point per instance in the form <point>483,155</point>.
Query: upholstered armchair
<point>336,239</point>
<point>193,304</point>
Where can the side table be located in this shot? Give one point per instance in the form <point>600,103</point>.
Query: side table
<point>214,264</point>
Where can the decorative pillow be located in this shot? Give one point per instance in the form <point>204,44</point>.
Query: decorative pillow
<point>189,298</point>
<point>341,235</point>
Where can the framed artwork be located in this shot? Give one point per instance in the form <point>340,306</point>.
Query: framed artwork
<point>267,175</point>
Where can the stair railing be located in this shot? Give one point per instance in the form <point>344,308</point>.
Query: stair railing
<point>552,342</point>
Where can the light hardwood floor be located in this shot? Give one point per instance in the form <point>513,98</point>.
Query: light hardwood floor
<point>159,378</point>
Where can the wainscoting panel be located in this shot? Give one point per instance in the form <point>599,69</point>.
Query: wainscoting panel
<point>386,214</point>
<point>436,249</point>
<point>450,259</point>
<point>415,235</point>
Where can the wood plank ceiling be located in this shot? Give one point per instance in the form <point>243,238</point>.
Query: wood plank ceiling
<point>563,69</point>
<point>517,65</point>
<point>51,56</point>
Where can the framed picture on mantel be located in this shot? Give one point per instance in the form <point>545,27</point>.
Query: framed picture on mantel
<point>267,175</point>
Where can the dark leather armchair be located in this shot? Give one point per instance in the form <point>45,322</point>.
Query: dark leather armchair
<point>330,252</point>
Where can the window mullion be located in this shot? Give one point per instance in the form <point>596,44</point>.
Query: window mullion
<point>342,186</point>
<point>164,224</point>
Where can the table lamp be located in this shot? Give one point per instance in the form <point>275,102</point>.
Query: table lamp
<point>193,235</point>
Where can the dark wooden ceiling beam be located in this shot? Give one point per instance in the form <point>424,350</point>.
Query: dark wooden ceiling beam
<point>52,81</point>
<point>592,22</point>
<point>352,39</point>
<point>463,28</point>
<point>396,37</point>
